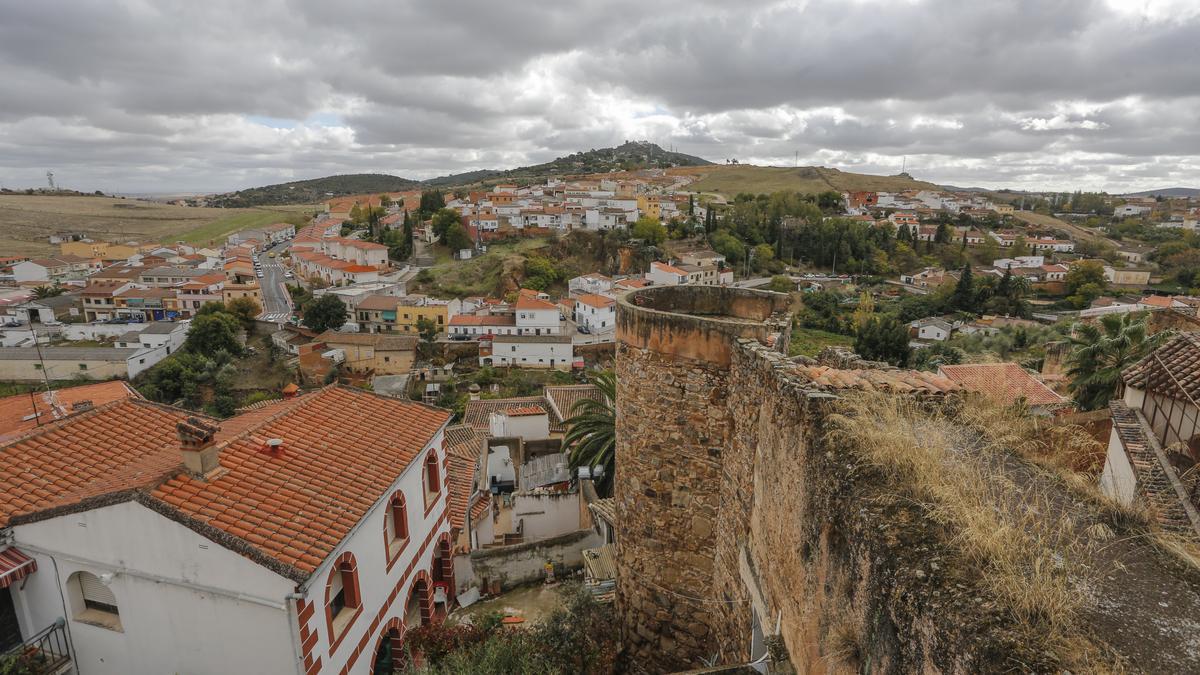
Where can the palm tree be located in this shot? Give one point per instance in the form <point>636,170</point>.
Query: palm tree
<point>591,438</point>
<point>1101,351</point>
<point>48,291</point>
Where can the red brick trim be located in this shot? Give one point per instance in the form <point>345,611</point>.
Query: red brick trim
<point>431,503</point>
<point>397,640</point>
<point>410,572</point>
<point>387,535</point>
<point>347,567</point>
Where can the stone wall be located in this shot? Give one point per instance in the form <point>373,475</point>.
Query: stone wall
<point>732,505</point>
<point>673,429</point>
<point>523,563</point>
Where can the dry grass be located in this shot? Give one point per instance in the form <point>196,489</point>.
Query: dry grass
<point>1025,550</point>
<point>27,220</point>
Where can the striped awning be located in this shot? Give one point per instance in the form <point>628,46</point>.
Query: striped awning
<point>14,566</point>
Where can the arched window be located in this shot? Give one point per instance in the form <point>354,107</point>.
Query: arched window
<point>433,482</point>
<point>396,526</point>
<point>92,601</point>
<point>342,600</point>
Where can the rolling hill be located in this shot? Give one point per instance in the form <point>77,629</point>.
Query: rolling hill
<point>627,156</point>
<point>313,191</point>
<point>1166,192</point>
<point>729,180</point>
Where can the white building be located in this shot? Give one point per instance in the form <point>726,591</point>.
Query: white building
<point>536,315</point>
<point>595,313</point>
<point>933,329</point>
<point>1131,211</point>
<point>528,351</point>
<point>594,283</point>
<point>182,546</point>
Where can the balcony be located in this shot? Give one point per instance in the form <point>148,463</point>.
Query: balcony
<point>46,653</point>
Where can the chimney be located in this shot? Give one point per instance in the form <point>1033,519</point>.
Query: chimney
<point>473,391</point>
<point>199,449</point>
<point>80,406</point>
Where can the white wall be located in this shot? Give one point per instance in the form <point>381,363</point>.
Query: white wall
<point>1118,480</point>
<point>532,354</point>
<point>500,465</point>
<point>542,516</point>
<point>167,625</point>
<point>376,582</point>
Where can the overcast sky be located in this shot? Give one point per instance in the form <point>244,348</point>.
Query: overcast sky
<point>218,95</point>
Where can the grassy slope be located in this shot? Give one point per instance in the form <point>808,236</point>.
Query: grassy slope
<point>27,220</point>
<point>810,341</point>
<point>480,275</point>
<point>730,180</point>
<point>1077,232</point>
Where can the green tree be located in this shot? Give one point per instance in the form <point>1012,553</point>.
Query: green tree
<point>431,201</point>
<point>781,283</point>
<point>591,438</point>
<point>443,220</point>
<point>964,291</point>
<point>884,339</point>
<point>728,245</point>
<point>1100,351</point>
<point>457,238</point>
<point>245,309</point>
<point>327,312</point>
<point>213,332</point>
<point>1085,282</point>
<point>650,230</point>
<point>42,292</point>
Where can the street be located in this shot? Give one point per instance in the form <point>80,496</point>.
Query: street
<point>277,306</point>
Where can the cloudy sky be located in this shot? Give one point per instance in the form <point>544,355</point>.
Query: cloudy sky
<point>154,95</point>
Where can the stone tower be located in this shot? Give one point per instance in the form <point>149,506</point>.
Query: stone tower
<point>674,347</point>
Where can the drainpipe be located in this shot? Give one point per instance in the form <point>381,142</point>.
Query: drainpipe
<point>293,619</point>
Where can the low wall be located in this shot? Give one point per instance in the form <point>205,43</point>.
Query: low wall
<point>524,563</point>
<point>546,515</point>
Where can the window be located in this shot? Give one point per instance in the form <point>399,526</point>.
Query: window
<point>92,601</point>
<point>342,601</point>
<point>83,366</point>
<point>433,483</point>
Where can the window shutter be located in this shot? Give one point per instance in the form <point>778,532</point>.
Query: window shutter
<point>95,591</point>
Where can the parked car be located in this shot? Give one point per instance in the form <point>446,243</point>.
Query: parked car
<point>459,337</point>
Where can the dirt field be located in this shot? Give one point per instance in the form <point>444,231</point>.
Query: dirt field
<point>1075,231</point>
<point>27,220</point>
<point>730,180</point>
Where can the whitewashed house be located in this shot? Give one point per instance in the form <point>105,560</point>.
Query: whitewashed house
<point>184,545</point>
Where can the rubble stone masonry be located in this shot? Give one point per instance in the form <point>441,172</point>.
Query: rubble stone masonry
<point>730,505</point>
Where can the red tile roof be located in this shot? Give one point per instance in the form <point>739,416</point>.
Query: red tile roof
<point>1004,382</point>
<point>593,300</point>
<point>532,302</point>
<point>288,509</point>
<point>463,447</point>
<point>1173,365</point>
<point>17,412</point>
<point>342,449</point>
<point>58,465</point>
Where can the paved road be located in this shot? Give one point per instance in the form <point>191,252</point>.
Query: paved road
<point>277,305</point>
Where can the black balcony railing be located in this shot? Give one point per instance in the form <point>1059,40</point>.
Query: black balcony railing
<point>44,653</point>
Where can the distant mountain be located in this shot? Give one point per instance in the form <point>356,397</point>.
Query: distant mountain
<point>1166,192</point>
<point>628,156</point>
<point>314,190</point>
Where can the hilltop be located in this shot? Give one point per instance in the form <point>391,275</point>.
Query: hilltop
<point>625,157</point>
<point>313,191</point>
<point>729,180</point>
<point>1166,192</point>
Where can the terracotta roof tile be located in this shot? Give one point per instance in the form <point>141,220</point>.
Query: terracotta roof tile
<point>342,449</point>
<point>1004,382</point>
<point>1176,361</point>
<point>113,446</point>
<point>17,412</point>
<point>478,411</point>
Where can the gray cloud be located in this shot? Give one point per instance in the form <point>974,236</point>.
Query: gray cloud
<point>219,95</point>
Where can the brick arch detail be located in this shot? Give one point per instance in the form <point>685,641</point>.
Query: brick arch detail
<point>424,600</point>
<point>353,597</point>
<point>397,624</point>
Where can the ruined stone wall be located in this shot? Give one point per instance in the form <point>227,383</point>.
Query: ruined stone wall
<point>673,428</point>
<point>729,505</point>
<point>732,502</point>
